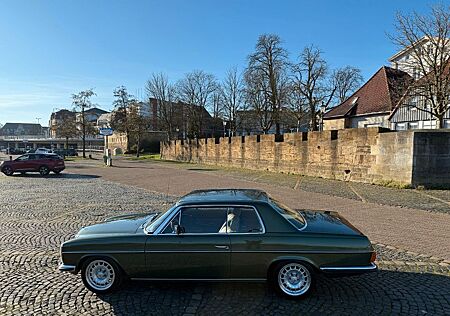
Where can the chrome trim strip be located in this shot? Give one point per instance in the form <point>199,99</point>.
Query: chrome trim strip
<point>104,251</point>
<point>372,266</point>
<point>227,251</point>
<point>183,279</point>
<point>66,268</point>
<point>294,252</point>
<point>177,209</point>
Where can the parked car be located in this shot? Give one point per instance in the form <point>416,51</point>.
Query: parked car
<point>42,163</point>
<point>66,152</point>
<point>220,235</point>
<point>15,151</point>
<point>43,151</point>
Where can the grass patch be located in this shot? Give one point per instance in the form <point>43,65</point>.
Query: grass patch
<point>393,184</point>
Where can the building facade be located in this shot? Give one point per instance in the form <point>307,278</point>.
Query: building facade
<point>372,104</point>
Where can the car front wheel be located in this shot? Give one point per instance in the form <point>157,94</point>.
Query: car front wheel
<point>293,279</point>
<point>101,275</point>
<point>44,170</point>
<point>7,171</point>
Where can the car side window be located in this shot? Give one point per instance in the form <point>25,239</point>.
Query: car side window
<point>243,220</point>
<point>199,220</point>
<point>33,157</point>
<point>22,158</point>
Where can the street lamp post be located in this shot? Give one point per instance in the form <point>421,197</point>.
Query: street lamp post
<point>322,113</point>
<point>224,127</point>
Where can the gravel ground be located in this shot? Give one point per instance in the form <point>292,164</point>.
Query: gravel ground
<point>37,214</point>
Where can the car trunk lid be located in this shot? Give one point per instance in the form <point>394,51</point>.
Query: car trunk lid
<point>328,222</point>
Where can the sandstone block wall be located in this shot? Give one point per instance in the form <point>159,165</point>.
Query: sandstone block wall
<point>363,155</point>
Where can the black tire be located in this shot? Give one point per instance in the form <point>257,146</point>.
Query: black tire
<point>293,279</point>
<point>8,171</point>
<point>44,170</point>
<point>23,173</point>
<point>108,272</point>
<point>57,171</point>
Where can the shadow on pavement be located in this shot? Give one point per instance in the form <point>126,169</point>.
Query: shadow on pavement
<point>385,292</point>
<point>57,176</point>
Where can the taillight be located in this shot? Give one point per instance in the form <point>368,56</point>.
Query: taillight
<point>373,257</point>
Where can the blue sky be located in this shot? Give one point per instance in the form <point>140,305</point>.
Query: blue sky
<point>51,49</point>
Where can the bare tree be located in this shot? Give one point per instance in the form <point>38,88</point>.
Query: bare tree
<point>427,37</point>
<point>269,64</point>
<point>138,123</point>
<point>232,95</point>
<point>196,90</point>
<point>257,97</point>
<point>82,101</point>
<point>311,82</point>
<point>159,88</point>
<point>346,80</point>
<point>119,118</point>
<point>66,127</point>
<point>297,105</point>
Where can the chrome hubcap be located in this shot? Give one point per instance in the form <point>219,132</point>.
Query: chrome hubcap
<point>100,275</point>
<point>294,279</point>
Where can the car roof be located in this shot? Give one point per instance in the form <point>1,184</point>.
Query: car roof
<point>224,196</point>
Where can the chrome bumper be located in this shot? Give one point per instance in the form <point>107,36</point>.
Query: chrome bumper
<point>352,270</point>
<point>67,268</point>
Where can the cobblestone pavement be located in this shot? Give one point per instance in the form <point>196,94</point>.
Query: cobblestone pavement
<point>37,214</point>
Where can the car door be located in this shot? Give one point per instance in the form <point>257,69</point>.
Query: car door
<point>21,163</point>
<point>34,162</point>
<point>246,230</point>
<point>201,251</point>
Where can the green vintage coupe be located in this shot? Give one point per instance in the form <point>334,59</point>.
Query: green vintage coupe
<point>226,234</point>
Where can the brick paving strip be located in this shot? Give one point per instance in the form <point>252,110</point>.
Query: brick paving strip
<point>405,228</point>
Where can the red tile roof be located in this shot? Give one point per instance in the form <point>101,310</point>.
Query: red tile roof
<point>379,94</point>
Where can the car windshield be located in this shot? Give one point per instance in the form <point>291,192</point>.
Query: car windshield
<point>293,216</point>
<point>153,223</point>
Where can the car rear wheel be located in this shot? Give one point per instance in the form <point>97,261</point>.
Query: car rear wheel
<point>57,171</point>
<point>8,171</point>
<point>293,279</point>
<point>44,170</point>
<point>101,275</point>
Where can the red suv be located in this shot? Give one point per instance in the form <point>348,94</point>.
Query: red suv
<point>42,163</point>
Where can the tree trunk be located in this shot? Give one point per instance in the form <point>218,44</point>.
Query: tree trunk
<point>138,143</point>
<point>83,122</point>
<point>67,143</point>
<point>440,122</point>
<point>277,128</point>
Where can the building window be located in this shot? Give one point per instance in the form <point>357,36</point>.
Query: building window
<point>401,127</point>
<point>413,125</point>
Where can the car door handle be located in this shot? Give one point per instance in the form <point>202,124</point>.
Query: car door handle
<point>222,247</point>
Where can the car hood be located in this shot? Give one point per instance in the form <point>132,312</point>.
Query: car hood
<point>118,225</point>
<point>328,222</point>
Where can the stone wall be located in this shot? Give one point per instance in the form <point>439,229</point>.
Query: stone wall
<point>363,155</point>
<point>150,142</point>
